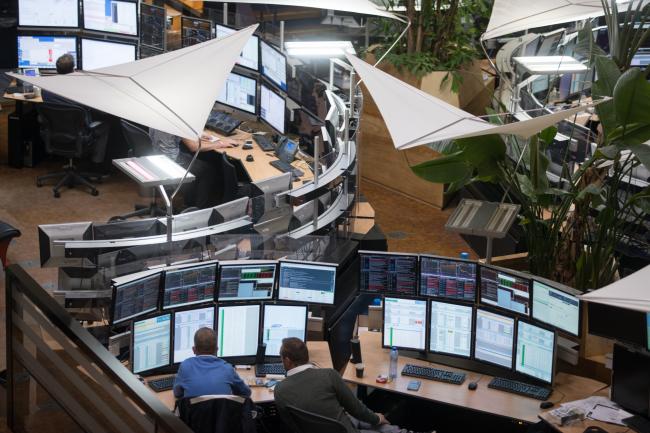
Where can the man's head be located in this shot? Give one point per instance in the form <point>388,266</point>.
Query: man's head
<point>65,64</point>
<point>205,342</point>
<point>294,353</point>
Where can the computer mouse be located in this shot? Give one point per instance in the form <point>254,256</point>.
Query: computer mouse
<point>594,429</point>
<point>546,405</point>
<point>472,386</point>
<point>247,146</point>
<point>250,158</point>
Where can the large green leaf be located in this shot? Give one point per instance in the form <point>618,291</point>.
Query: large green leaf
<point>642,151</point>
<point>447,169</point>
<point>608,75</point>
<point>632,98</point>
<point>483,153</point>
<point>586,45</point>
<point>627,135</point>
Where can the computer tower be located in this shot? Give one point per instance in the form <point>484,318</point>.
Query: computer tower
<point>15,135</point>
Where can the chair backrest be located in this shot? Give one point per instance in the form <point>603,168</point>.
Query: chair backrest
<point>308,422</point>
<point>229,179</point>
<point>64,129</point>
<point>137,139</point>
<point>217,414</point>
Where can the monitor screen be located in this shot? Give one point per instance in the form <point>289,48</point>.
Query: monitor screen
<point>272,108</point>
<point>535,351</point>
<point>283,321</point>
<point>631,380</point>
<point>505,290</point>
<point>186,323</point>
<point>151,340</point>
<point>239,92</point>
<point>43,51</point>
<point>249,57</point>
<point>135,298</point>
<point>112,16</point>
<point>556,308</point>
<point>238,328</point>
<point>194,31</point>
<point>388,273</point>
<point>48,13</point>
<point>274,65</point>
<point>405,323</point>
<point>287,151</point>
<point>100,54</point>
<point>451,329</point>
<point>447,278</point>
<point>314,283</point>
<point>617,323</point>
<point>494,338</point>
<point>246,281</point>
<point>152,26</point>
<point>191,285</point>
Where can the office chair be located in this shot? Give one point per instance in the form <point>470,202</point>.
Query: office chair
<point>67,131</point>
<point>7,233</point>
<point>308,422</point>
<point>231,188</point>
<point>218,414</point>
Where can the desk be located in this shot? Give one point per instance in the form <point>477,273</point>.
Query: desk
<point>20,98</point>
<point>483,399</point>
<point>319,353</point>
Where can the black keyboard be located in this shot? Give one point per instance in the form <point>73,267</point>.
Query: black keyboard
<point>433,374</point>
<point>162,384</point>
<point>264,369</point>
<point>222,123</point>
<point>264,142</point>
<point>521,388</point>
<point>285,167</point>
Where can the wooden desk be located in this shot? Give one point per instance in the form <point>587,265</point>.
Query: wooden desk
<point>319,353</point>
<point>21,98</point>
<point>483,399</point>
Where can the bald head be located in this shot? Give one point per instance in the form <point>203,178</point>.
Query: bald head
<point>205,342</point>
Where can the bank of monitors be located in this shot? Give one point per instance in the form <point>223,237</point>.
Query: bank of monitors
<point>152,26</point>
<point>113,16</point>
<point>249,57</point>
<point>272,108</point>
<point>239,92</point>
<point>186,323</point>
<point>505,290</point>
<point>150,348</point>
<point>535,351</point>
<point>451,328</point>
<point>274,65</point>
<point>494,338</point>
<point>189,285</point>
<point>194,31</point>
<point>448,278</point>
<point>97,54</point>
<point>556,307</point>
<point>43,51</point>
<point>310,282</point>
<point>238,328</point>
<point>405,323</point>
<point>282,321</point>
<point>388,273</point>
<point>246,281</point>
<point>135,298</point>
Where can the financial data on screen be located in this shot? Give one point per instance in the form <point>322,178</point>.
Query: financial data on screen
<point>272,108</point>
<point>238,328</point>
<point>100,54</point>
<point>43,51</point>
<point>113,16</point>
<point>282,321</point>
<point>239,92</point>
<point>151,338</point>
<point>535,350</point>
<point>494,338</point>
<point>241,282</point>
<point>447,278</point>
<point>504,290</point>
<point>274,65</point>
<point>48,13</point>
<point>189,286</point>
<point>405,323</point>
<point>307,282</point>
<point>186,323</point>
<point>556,308</point>
<point>136,298</point>
<point>451,329</point>
<point>388,273</point>
<point>249,57</point>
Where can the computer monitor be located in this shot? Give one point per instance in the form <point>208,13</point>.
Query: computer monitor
<point>274,65</point>
<point>287,151</point>
<point>194,31</point>
<point>535,351</point>
<point>198,219</point>
<point>622,324</point>
<point>282,321</point>
<point>310,282</point>
<point>246,280</point>
<point>631,380</point>
<point>239,92</point>
<point>238,329</point>
<point>43,51</point>
<point>53,255</point>
<point>100,54</point>
<point>308,92</point>
<point>150,348</point>
<point>272,108</point>
<point>451,328</point>
<point>153,20</point>
<point>505,290</point>
<point>249,57</point>
<point>494,337</point>
<point>113,16</point>
<point>135,298</point>
<point>447,278</point>
<point>186,323</point>
<point>189,285</point>
<point>128,229</point>
<point>647,319</point>
<point>48,13</point>
<point>405,323</point>
<point>388,273</point>
<point>556,307</point>
<point>233,209</point>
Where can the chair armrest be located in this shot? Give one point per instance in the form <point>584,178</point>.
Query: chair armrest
<point>96,124</point>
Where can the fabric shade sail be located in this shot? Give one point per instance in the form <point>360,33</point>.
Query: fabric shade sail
<point>414,117</point>
<point>631,292</point>
<point>154,91</point>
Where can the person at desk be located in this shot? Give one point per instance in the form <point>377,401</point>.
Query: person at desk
<point>205,373</point>
<point>328,395</point>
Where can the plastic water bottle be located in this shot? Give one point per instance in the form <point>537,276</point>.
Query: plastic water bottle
<point>392,373</point>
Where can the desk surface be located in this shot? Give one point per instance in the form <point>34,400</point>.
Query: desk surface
<point>483,399</point>
<point>319,353</point>
<point>20,97</point>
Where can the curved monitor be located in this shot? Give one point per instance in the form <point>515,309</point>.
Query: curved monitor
<point>100,54</point>
<point>112,16</point>
<point>250,55</point>
<point>274,65</point>
<point>48,13</point>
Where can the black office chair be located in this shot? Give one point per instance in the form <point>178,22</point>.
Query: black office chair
<point>218,414</point>
<point>230,186</point>
<point>308,422</point>
<point>68,131</point>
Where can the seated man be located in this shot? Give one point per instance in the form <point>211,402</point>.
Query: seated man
<point>205,374</point>
<point>323,392</point>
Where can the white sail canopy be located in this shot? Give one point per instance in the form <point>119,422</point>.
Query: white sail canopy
<point>631,292</point>
<point>414,117</point>
<point>173,92</point>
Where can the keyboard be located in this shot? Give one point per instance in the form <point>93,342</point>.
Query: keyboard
<point>285,167</point>
<point>222,123</point>
<point>162,384</point>
<point>521,388</point>
<point>262,370</point>
<point>433,374</point>
<point>264,142</point>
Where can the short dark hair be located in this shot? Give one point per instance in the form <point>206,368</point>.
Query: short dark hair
<point>205,341</point>
<point>295,350</point>
<point>65,64</point>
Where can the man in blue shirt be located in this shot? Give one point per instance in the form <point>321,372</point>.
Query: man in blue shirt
<point>205,374</point>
